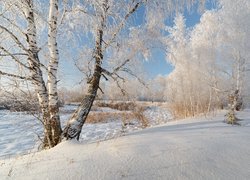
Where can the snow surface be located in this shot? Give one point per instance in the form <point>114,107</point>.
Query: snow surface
<point>201,148</point>
<point>20,132</point>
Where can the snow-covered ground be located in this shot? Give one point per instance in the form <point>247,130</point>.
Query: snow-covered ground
<point>198,148</point>
<point>20,132</point>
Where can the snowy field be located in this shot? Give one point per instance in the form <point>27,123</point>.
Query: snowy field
<point>198,148</point>
<point>20,132</point>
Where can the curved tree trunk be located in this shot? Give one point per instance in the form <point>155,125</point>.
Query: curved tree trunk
<point>74,125</point>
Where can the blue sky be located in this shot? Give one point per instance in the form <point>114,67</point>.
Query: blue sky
<point>157,63</point>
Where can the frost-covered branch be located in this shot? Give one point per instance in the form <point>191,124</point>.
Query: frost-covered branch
<point>121,25</point>
<point>14,25</point>
<point>14,37</point>
<point>14,76</point>
<point>13,56</point>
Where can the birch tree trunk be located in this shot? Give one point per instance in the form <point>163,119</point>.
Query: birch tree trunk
<point>36,73</point>
<point>50,136</point>
<point>52,73</point>
<point>74,125</point>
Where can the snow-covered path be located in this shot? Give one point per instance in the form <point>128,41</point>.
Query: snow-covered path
<point>189,149</point>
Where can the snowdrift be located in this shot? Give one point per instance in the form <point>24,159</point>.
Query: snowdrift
<point>204,148</point>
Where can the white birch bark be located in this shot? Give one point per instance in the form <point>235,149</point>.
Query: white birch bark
<point>52,72</point>
<point>33,60</point>
<point>36,73</point>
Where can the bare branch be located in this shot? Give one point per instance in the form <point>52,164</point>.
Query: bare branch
<point>120,26</point>
<point>122,65</point>
<point>65,11</point>
<point>14,76</point>
<point>14,38</point>
<point>116,78</point>
<point>13,24</point>
<point>105,77</point>
<point>14,54</point>
<point>83,11</point>
<point>14,57</point>
<point>107,72</point>
<point>121,89</point>
<point>6,10</point>
<point>134,75</point>
<point>100,89</point>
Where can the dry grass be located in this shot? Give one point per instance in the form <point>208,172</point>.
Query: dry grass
<point>129,112</point>
<point>179,110</point>
<point>121,106</point>
<point>138,113</point>
<point>103,117</point>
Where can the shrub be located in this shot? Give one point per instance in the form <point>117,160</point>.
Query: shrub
<point>133,112</point>
<point>103,117</point>
<point>231,118</point>
<point>139,115</point>
<point>20,106</point>
<point>121,106</point>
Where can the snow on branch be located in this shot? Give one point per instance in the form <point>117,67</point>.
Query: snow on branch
<point>14,37</point>
<point>120,26</point>
<point>13,56</point>
<point>14,76</point>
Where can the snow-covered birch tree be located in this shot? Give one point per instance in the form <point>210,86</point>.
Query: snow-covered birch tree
<point>52,72</point>
<point>20,25</point>
<point>102,13</point>
<point>114,40</point>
